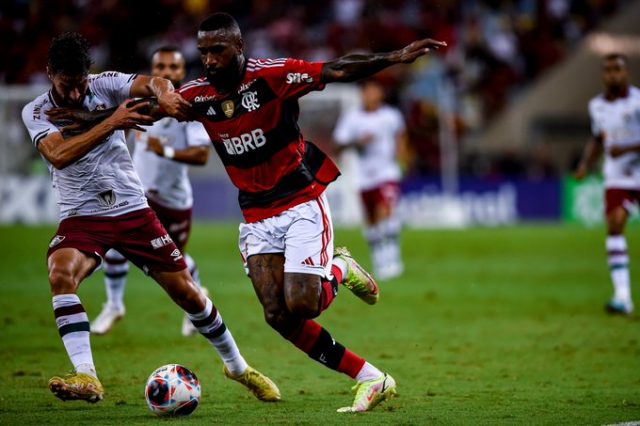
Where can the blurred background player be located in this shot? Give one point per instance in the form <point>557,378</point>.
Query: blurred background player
<point>615,123</point>
<point>377,132</point>
<point>161,158</point>
<point>102,206</point>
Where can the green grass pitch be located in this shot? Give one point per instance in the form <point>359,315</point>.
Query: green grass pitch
<point>487,326</point>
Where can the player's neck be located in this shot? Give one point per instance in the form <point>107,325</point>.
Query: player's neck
<point>616,92</point>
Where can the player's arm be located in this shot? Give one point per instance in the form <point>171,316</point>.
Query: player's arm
<point>357,66</point>
<point>402,149</point>
<point>61,151</point>
<point>170,102</point>
<point>194,155</point>
<point>617,150</point>
<point>591,153</point>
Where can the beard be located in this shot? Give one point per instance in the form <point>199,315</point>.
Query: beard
<point>227,76</point>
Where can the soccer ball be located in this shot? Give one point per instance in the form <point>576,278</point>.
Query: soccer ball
<point>172,390</point>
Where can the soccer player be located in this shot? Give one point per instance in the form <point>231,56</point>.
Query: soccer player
<point>102,206</point>
<point>161,156</point>
<point>377,132</point>
<point>249,109</point>
<point>615,124</point>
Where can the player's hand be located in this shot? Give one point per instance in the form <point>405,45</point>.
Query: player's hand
<point>129,117</point>
<point>175,106</point>
<point>617,151</point>
<point>155,145</point>
<point>365,140</point>
<point>416,49</point>
<point>580,172</point>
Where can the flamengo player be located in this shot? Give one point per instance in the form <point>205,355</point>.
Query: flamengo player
<point>377,131</point>
<point>161,156</point>
<point>615,122</point>
<point>249,108</point>
<point>102,205</point>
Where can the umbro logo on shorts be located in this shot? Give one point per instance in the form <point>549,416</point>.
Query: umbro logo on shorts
<point>176,255</point>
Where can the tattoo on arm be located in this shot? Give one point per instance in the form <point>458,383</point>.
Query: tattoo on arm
<point>354,67</point>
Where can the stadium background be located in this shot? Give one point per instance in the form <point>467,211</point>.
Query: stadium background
<point>496,123</point>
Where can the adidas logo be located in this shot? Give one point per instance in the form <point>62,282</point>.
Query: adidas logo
<point>211,111</point>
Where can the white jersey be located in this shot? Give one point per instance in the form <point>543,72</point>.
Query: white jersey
<point>104,181</point>
<point>164,180</point>
<point>377,160</point>
<point>619,123</point>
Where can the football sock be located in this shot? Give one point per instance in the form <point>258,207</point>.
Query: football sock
<point>618,260</point>
<point>116,268</point>
<point>373,234</point>
<point>209,323</point>
<point>193,269</point>
<point>73,326</point>
<point>390,229</point>
<point>368,372</point>
<point>330,287</point>
<point>318,344</point>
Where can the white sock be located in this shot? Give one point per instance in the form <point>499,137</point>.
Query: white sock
<point>368,372</point>
<point>193,269</point>
<point>618,260</point>
<point>73,326</point>
<point>116,268</point>
<point>209,323</point>
<point>342,265</point>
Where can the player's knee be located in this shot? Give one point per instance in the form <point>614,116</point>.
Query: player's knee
<point>302,295</point>
<point>304,308</point>
<point>61,280</point>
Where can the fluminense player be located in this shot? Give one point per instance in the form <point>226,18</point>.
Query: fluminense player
<point>377,131</point>
<point>102,206</point>
<point>615,124</point>
<point>249,108</point>
<point>161,157</point>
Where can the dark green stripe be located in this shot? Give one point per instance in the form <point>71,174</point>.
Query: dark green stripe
<point>76,326</point>
<point>618,266</point>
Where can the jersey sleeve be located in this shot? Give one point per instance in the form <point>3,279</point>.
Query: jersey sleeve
<point>344,133</point>
<point>291,78</point>
<point>37,127</point>
<point>196,134</point>
<point>113,85</point>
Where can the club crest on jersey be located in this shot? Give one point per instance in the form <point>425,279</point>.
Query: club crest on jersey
<point>107,198</point>
<point>250,101</point>
<point>56,240</point>
<point>228,107</point>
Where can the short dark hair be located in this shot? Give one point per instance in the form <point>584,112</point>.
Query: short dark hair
<point>69,55</point>
<point>617,56</point>
<point>219,21</point>
<point>167,48</point>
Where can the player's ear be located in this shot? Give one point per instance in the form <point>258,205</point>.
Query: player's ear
<point>240,45</point>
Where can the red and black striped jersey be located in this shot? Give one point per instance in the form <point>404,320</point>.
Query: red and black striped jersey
<point>255,132</point>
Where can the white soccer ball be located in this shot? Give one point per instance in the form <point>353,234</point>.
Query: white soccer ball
<point>172,390</point>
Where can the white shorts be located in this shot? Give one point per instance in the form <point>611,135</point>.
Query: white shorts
<point>304,234</point>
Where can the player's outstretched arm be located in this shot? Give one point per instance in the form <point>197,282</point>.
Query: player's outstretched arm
<point>357,66</point>
<point>591,153</point>
<point>61,151</point>
<point>618,150</point>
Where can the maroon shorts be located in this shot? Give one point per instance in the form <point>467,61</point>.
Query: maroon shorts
<point>177,222</point>
<point>386,194</point>
<point>620,197</point>
<point>139,236</point>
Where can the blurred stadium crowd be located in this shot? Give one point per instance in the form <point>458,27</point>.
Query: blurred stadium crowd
<point>495,49</point>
